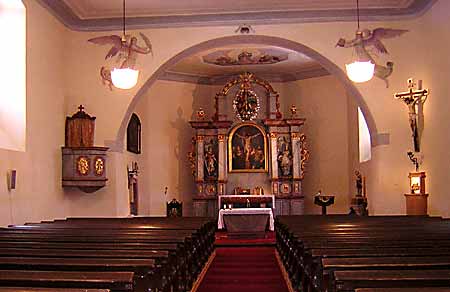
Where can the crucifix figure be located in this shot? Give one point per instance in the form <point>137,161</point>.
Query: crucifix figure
<point>413,99</point>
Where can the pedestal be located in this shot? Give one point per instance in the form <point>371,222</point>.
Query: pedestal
<point>416,204</point>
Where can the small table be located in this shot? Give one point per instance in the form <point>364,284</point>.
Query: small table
<point>245,220</point>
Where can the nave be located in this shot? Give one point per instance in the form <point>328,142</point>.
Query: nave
<point>333,253</point>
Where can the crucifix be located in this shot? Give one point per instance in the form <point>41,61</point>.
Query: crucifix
<point>414,98</point>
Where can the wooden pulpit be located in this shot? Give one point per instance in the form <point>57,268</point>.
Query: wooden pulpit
<point>83,164</point>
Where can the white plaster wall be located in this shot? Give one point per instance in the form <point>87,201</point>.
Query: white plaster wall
<point>387,174</point>
<point>323,102</point>
<point>38,192</point>
<point>63,72</point>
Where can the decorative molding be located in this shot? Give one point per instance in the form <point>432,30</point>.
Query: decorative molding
<point>66,15</point>
<point>222,79</point>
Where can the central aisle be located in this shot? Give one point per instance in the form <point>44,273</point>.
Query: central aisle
<point>246,269</point>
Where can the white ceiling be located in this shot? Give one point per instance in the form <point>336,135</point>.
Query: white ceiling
<point>96,15</point>
<point>93,9</point>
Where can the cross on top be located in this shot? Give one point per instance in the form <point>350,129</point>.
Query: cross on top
<point>81,107</point>
<point>412,96</point>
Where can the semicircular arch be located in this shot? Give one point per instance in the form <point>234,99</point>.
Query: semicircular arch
<point>249,39</point>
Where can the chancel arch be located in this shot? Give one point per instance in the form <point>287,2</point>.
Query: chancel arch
<point>175,114</point>
<point>250,39</point>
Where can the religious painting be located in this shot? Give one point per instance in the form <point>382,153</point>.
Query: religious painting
<point>134,135</point>
<point>247,149</point>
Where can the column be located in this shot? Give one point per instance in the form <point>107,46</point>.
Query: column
<point>200,162</point>
<point>222,179</point>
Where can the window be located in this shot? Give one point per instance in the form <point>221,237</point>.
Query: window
<point>365,153</point>
<point>13,75</point>
<point>134,135</point>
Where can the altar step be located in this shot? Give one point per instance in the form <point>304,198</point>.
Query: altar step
<point>223,239</point>
<point>240,269</point>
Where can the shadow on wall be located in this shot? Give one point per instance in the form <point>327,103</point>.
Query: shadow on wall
<point>185,186</point>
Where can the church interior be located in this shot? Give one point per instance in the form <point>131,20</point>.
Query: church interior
<point>238,105</point>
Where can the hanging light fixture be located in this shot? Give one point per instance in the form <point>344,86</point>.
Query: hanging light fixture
<point>360,70</point>
<point>124,78</point>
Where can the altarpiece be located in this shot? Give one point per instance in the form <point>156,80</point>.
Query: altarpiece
<point>248,148</point>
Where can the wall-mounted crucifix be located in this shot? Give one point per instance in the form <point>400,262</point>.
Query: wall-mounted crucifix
<point>414,99</point>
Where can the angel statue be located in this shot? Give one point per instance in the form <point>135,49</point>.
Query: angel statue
<point>368,42</point>
<point>125,48</point>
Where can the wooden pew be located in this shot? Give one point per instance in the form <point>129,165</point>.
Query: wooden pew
<point>113,281</point>
<point>348,281</point>
<point>34,289</point>
<point>110,239</point>
<point>304,247</point>
<point>427,289</point>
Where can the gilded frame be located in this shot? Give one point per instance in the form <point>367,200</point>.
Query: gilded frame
<point>256,146</point>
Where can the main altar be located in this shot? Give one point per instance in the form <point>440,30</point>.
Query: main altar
<point>248,149</point>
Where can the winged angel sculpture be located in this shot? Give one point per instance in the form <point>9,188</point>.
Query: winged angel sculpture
<point>368,42</point>
<point>125,48</point>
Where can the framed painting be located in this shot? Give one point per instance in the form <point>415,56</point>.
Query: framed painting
<point>247,149</point>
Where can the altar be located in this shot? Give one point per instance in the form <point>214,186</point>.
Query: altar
<point>246,220</point>
<point>230,201</point>
<point>246,149</point>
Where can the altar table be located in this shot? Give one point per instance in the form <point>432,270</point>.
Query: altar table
<point>248,212</point>
<point>227,199</point>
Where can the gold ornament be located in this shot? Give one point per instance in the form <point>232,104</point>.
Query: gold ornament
<point>83,165</point>
<point>99,166</point>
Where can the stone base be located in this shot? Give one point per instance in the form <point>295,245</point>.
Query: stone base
<point>416,204</point>
<point>205,207</point>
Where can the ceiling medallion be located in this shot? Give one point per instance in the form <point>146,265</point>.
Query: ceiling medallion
<point>246,102</point>
<point>245,57</point>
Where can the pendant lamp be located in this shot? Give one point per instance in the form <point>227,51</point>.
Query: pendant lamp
<point>359,70</point>
<point>124,78</point>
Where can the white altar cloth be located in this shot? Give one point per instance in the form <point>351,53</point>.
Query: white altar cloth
<point>246,211</point>
<point>219,201</point>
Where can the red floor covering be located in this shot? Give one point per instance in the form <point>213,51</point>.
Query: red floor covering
<point>239,269</point>
<point>223,239</point>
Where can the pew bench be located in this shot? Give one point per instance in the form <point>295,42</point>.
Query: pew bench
<point>113,281</point>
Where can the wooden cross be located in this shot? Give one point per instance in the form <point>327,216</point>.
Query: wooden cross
<point>412,98</point>
<point>81,107</point>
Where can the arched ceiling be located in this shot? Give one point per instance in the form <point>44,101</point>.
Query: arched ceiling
<point>216,66</point>
<point>98,15</point>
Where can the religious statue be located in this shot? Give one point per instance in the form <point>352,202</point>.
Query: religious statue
<point>126,49</point>
<point>413,98</point>
<point>367,41</point>
<point>359,183</point>
<point>210,159</point>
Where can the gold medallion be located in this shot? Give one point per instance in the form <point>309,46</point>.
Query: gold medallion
<point>83,165</point>
<point>99,166</point>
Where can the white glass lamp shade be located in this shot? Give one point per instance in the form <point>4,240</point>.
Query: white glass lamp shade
<point>360,71</point>
<point>124,78</point>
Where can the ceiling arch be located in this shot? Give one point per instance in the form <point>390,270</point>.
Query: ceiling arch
<point>253,39</point>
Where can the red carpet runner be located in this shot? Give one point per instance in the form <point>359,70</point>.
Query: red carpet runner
<point>239,269</point>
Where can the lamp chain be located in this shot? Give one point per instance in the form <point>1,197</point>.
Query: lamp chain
<point>357,11</point>
<point>123,19</point>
